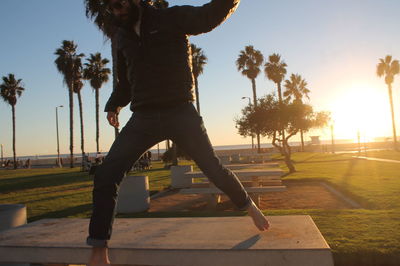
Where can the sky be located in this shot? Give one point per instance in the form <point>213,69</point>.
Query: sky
<point>334,45</point>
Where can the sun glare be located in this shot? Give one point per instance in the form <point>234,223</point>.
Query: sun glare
<point>364,109</point>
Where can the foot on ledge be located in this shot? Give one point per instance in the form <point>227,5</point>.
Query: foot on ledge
<point>99,257</point>
<point>258,217</point>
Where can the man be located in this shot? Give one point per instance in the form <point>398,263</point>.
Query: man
<point>155,76</point>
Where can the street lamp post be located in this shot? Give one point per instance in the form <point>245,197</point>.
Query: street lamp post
<point>252,139</point>
<point>58,141</point>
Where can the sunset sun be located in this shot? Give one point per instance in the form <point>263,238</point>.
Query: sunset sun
<point>361,108</point>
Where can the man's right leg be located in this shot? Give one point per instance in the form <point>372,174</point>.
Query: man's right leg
<point>138,135</point>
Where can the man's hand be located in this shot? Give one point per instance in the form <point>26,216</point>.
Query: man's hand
<point>112,118</point>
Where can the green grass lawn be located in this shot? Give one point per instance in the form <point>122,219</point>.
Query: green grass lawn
<point>368,236</point>
<point>387,154</point>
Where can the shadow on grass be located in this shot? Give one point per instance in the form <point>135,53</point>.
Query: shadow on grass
<point>42,181</point>
<point>46,198</point>
<point>71,211</point>
<point>160,178</point>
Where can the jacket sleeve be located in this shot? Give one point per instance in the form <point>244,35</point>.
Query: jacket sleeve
<point>192,20</point>
<point>121,94</point>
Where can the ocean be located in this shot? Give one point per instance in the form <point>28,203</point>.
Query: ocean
<point>162,150</point>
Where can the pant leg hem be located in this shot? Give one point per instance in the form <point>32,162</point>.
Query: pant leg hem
<point>96,242</point>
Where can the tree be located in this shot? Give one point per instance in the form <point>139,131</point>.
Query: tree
<point>296,88</point>
<point>96,72</point>
<point>389,68</point>
<point>199,59</point>
<point>11,89</point>
<point>67,62</point>
<point>249,63</point>
<point>270,116</point>
<point>275,70</point>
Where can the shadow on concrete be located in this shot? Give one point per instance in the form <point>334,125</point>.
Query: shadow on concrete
<point>248,243</point>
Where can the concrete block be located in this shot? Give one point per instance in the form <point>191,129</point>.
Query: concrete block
<point>194,241</point>
<point>178,179</point>
<point>11,216</point>
<point>133,195</point>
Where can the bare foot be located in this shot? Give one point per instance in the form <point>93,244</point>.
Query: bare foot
<point>258,217</point>
<point>99,257</point>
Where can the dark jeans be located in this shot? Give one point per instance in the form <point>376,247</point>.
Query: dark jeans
<point>183,125</point>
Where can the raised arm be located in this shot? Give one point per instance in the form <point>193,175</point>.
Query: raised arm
<point>195,20</point>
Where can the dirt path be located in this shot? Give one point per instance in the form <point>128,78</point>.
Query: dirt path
<point>299,195</point>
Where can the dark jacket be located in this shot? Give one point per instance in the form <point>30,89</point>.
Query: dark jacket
<point>154,69</point>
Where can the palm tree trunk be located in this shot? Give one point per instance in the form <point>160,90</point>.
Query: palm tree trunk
<point>302,140</point>
<point>13,122</point>
<point>280,104</point>
<point>196,87</point>
<point>71,125</point>
<point>97,119</point>
<point>279,92</point>
<point>393,121</point>
<point>253,83</point>
<point>81,119</point>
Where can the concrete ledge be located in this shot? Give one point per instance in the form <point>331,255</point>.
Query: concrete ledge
<point>243,173</point>
<point>244,183</point>
<point>214,190</point>
<point>251,166</point>
<point>199,241</point>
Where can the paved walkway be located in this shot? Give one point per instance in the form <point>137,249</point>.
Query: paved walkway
<point>376,159</point>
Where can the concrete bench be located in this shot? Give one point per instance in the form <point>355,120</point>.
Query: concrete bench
<point>255,176</point>
<point>189,241</point>
<point>273,182</point>
<point>215,190</point>
<point>244,173</point>
<point>215,193</point>
<point>255,157</point>
<point>251,166</point>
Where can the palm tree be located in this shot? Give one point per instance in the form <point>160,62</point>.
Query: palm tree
<point>11,89</point>
<point>97,11</point>
<point>389,68</point>
<point>96,72</point>
<point>296,87</point>
<point>248,63</point>
<point>67,62</point>
<point>199,59</point>
<point>275,70</point>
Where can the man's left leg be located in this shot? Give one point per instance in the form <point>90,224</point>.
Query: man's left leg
<point>187,129</point>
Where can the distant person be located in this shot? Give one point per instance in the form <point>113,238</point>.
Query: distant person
<point>28,163</point>
<point>155,76</point>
